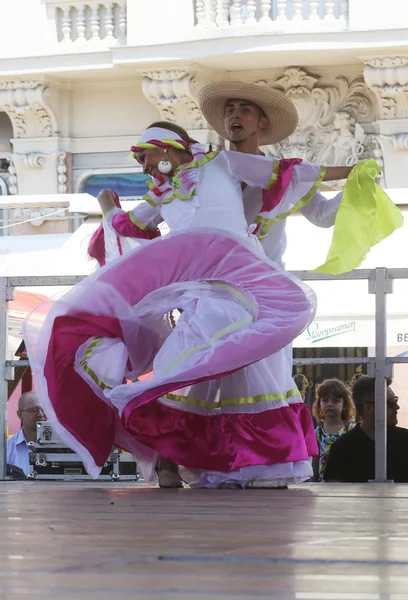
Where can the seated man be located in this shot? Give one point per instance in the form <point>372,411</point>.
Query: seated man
<point>29,412</point>
<point>352,457</point>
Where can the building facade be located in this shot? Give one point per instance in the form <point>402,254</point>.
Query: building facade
<point>79,80</point>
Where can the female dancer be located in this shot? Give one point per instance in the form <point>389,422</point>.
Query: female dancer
<point>221,402</point>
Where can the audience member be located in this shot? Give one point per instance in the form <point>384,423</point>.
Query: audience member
<point>352,457</point>
<point>335,410</point>
<point>29,412</point>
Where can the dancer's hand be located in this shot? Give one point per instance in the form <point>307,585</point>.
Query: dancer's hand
<point>106,200</point>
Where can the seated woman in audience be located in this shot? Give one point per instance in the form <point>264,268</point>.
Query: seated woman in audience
<point>335,410</point>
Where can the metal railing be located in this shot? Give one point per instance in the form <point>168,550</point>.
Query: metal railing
<point>380,283</point>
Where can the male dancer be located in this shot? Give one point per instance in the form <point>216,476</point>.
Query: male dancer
<point>250,116</point>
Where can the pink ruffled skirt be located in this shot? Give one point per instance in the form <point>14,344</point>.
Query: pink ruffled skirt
<point>221,401</point>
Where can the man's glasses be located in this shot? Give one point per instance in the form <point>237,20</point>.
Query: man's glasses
<point>36,410</point>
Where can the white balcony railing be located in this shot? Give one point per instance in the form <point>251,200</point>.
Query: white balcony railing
<point>98,23</point>
<point>271,15</point>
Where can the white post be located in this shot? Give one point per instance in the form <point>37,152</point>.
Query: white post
<point>80,24</point>
<point>94,25</point>
<point>122,23</point>
<point>266,9</point>
<point>211,14</point>
<point>329,15</point>
<point>109,24</point>
<point>3,381</point>
<point>314,10</point>
<point>345,11</point>
<point>282,11</point>
<point>251,7</point>
<point>380,286</point>
<point>222,13</point>
<point>200,14</point>
<point>297,11</point>
<point>66,23</point>
<point>236,13</point>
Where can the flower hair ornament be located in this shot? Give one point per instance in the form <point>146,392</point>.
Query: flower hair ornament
<point>158,137</point>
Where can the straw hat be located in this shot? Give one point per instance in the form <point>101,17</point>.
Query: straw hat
<point>281,112</point>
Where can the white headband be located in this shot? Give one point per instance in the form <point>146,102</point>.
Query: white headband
<point>159,133</point>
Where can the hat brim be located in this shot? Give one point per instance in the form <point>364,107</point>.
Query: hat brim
<point>280,111</point>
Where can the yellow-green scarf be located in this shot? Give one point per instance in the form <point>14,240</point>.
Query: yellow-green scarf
<point>365,216</point>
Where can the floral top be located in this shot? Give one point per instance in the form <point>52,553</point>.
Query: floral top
<point>325,441</point>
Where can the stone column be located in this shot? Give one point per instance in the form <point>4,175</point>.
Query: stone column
<point>38,156</point>
<point>174,92</point>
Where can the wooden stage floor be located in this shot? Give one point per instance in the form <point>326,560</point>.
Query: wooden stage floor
<point>125,540</point>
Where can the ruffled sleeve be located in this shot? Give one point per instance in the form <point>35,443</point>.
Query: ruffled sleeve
<point>141,222</point>
<point>288,184</point>
<point>294,183</point>
<point>119,230</point>
<point>322,211</point>
<point>253,169</point>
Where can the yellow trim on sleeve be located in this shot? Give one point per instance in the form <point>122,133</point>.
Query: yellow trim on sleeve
<point>267,223</point>
<point>135,221</point>
<point>274,175</point>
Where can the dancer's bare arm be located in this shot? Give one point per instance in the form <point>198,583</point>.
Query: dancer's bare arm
<point>334,173</point>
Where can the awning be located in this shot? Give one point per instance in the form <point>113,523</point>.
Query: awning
<point>41,200</point>
<point>87,204</point>
<point>25,302</point>
<point>22,305</point>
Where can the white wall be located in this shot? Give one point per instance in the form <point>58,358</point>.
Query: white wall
<point>159,21</point>
<point>378,14</point>
<point>23,28</point>
<point>110,108</point>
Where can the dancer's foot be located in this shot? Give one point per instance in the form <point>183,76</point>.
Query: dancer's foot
<point>229,485</point>
<point>265,484</point>
<point>168,475</point>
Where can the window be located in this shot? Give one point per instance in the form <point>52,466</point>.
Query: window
<point>126,185</point>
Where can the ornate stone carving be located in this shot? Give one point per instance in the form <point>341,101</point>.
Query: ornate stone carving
<point>30,84</point>
<point>12,178</point>
<point>387,62</point>
<point>62,173</point>
<point>34,160</point>
<point>400,141</point>
<point>388,79</point>
<point>329,130</point>
<point>27,105</point>
<point>174,93</point>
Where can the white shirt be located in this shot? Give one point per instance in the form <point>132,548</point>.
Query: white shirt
<point>17,452</point>
<point>210,195</point>
<point>318,210</point>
